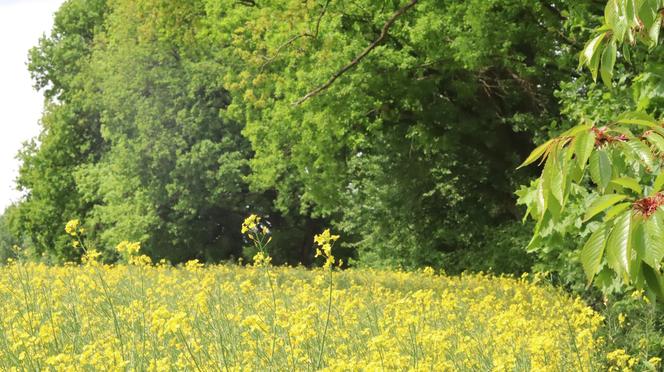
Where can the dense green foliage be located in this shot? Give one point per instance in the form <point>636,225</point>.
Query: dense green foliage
<point>601,182</point>
<point>70,135</point>
<point>7,240</point>
<point>169,122</point>
<point>610,166</point>
<point>412,150</point>
<point>134,142</point>
<point>399,123</point>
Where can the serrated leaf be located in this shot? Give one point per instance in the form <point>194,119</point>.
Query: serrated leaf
<point>553,176</point>
<point>576,130</point>
<point>600,168</point>
<point>608,62</point>
<point>593,251</point>
<point>659,184</point>
<point>616,210</point>
<point>615,18</point>
<point>639,238</point>
<point>618,246</point>
<point>602,203</point>
<point>654,280</point>
<point>653,32</point>
<point>583,147</point>
<point>639,118</point>
<point>641,151</point>
<point>630,10</point>
<point>629,183</point>
<point>653,240</point>
<point>536,154</point>
<point>656,140</point>
<point>590,51</point>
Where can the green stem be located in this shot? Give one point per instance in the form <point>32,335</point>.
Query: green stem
<point>327,323</point>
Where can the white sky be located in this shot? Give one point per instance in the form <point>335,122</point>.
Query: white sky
<point>22,22</point>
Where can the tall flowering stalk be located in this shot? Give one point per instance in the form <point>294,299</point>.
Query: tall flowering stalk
<point>325,241</point>
<point>259,235</point>
<point>74,229</point>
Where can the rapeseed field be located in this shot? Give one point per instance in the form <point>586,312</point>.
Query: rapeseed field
<point>148,317</point>
<point>138,316</point>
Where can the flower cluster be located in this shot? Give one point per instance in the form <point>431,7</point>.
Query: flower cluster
<point>259,235</point>
<point>91,257</point>
<point>261,260</point>
<point>250,223</point>
<point>325,241</point>
<point>73,228</point>
<point>649,205</point>
<point>127,248</point>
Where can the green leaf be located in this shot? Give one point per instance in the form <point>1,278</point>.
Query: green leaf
<point>642,152</point>
<point>629,183</point>
<point>652,239</point>
<point>608,62</point>
<point>590,52</point>
<point>656,140</point>
<point>540,198</point>
<point>659,183</point>
<point>653,32</point>
<point>583,147</point>
<point>602,203</point>
<point>615,18</point>
<point>553,176</point>
<point>576,130</point>
<point>639,238</point>
<point>536,154</point>
<point>626,53</point>
<point>653,280</point>
<point>616,210</point>
<point>600,168</point>
<point>639,118</point>
<point>618,246</point>
<point>592,252</point>
<point>593,64</point>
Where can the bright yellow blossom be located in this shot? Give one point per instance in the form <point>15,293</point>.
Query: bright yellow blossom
<point>250,223</point>
<point>200,317</point>
<point>72,227</point>
<point>128,248</point>
<point>325,241</point>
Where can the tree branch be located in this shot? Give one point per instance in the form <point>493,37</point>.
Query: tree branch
<point>365,52</point>
<point>320,18</point>
<point>288,42</point>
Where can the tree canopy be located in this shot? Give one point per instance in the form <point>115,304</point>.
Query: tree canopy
<point>400,123</point>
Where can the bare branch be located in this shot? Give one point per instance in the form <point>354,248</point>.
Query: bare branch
<point>320,18</point>
<point>288,42</point>
<point>251,3</point>
<point>365,52</point>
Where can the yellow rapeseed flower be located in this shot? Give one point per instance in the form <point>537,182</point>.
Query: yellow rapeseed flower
<point>127,248</point>
<point>250,223</point>
<point>72,226</point>
<point>200,317</point>
<point>325,240</point>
